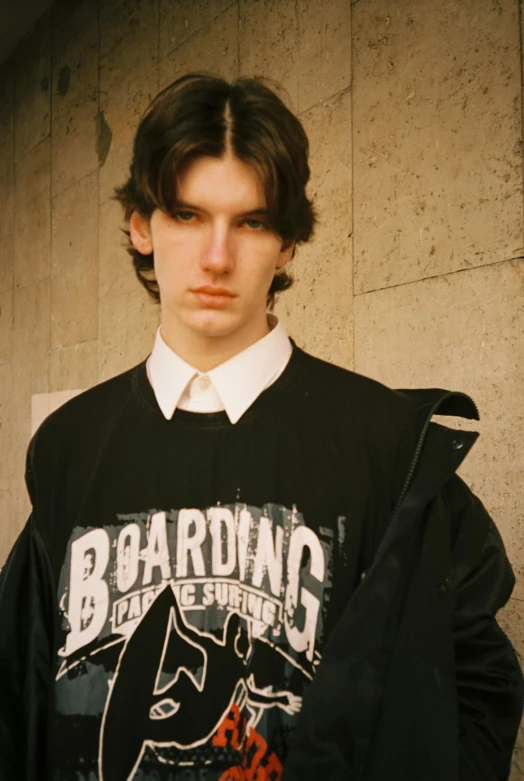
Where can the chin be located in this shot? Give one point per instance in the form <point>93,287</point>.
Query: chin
<point>213,324</point>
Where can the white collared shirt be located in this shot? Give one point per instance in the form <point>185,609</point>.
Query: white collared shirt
<point>232,386</point>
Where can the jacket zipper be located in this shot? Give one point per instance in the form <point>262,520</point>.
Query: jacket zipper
<point>415,459</point>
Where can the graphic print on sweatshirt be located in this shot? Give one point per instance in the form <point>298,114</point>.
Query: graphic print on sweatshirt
<point>190,635</point>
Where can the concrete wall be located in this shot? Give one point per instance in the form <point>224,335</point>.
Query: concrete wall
<point>416,276</point>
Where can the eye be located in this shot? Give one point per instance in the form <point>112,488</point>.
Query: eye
<point>181,216</point>
<point>261,225</point>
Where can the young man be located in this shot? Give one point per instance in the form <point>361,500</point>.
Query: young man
<point>244,562</point>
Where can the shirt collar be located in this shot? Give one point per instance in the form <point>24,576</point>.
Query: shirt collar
<point>238,381</point>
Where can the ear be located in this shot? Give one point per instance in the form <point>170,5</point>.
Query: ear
<point>286,253</point>
<point>140,231</point>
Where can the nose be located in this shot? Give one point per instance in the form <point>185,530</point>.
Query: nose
<point>218,250</point>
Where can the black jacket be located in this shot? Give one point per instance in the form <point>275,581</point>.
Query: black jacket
<point>418,682</point>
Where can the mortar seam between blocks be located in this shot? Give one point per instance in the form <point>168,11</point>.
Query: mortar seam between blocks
<point>439,276</point>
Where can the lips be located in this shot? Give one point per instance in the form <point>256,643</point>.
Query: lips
<point>213,296</point>
<point>214,291</point>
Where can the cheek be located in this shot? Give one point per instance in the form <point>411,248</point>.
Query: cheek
<point>169,259</point>
<point>168,277</point>
<point>259,255</point>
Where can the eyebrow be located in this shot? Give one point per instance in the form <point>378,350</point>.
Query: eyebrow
<point>179,204</point>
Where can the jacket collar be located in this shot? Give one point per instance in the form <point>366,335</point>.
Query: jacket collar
<point>437,401</point>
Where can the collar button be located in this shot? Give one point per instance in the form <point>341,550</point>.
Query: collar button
<point>203,382</point>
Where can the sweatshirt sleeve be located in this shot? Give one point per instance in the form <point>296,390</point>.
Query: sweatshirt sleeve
<point>490,685</point>
<point>25,657</point>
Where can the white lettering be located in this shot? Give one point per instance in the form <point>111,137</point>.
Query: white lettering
<point>222,519</point>
<point>127,550</point>
<point>221,594</point>
<point>209,594</point>
<point>269,613</point>
<point>244,525</point>
<point>157,552</point>
<point>254,605</point>
<point>135,608</point>
<point>121,611</point>
<point>235,596</point>
<point>187,595</point>
<point>88,593</point>
<point>303,640</point>
<point>190,544</point>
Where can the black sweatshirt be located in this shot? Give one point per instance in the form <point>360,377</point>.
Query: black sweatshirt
<point>169,599</point>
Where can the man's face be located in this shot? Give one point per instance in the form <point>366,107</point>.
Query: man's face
<point>217,240</point>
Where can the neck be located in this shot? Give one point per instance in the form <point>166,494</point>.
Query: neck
<point>206,352</point>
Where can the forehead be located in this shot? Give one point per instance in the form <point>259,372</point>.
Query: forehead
<point>224,182</point>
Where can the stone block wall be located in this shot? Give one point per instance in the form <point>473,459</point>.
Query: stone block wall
<point>416,273</point>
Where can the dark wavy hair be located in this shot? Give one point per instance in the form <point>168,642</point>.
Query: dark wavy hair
<point>201,114</point>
